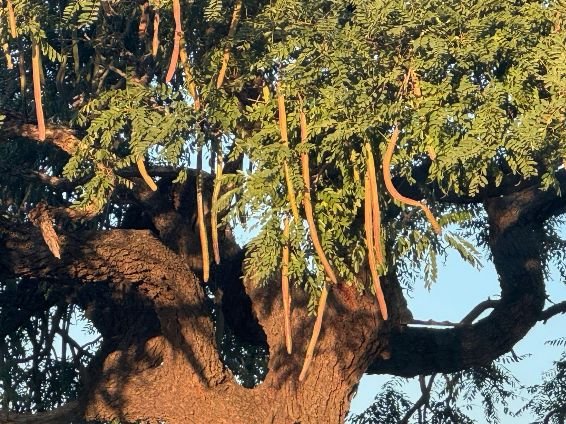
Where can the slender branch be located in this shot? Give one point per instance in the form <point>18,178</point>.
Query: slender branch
<point>423,400</point>
<point>434,323</point>
<point>558,308</point>
<point>478,310</point>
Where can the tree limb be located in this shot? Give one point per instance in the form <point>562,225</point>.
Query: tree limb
<point>557,308</point>
<point>516,234</point>
<point>67,413</point>
<point>15,125</point>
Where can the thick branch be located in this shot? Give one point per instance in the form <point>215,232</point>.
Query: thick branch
<point>70,412</point>
<point>15,125</point>
<point>509,185</point>
<point>558,308</point>
<point>140,271</point>
<point>516,230</point>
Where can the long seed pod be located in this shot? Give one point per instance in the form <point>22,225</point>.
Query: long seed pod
<point>60,77</point>
<point>231,32</point>
<point>315,333</point>
<point>285,140</point>
<point>155,37</point>
<point>201,224</point>
<point>307,203</point>
<point>11,19</point>
<point>189,80</point>
<point>393,191</point>
<point>76,57</point>
<point>176,40</point>
<point>376,213</point>
<point>368,226</point>
<point>214,209</point>
<point>143,172</point>
<point>285,287</point>
<point>8,56</point>
<point>36,72</point>
<point>22,71</point>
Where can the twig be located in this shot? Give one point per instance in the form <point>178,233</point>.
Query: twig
<point>423,400</point>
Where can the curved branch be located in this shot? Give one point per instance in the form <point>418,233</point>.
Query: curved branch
<point>142,274</point>
<point>516,230</point>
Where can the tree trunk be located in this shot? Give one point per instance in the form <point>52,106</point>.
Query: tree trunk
<point>160,362</point>
<point>177,376</point>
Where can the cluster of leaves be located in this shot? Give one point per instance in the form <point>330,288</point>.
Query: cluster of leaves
<point>450,399</point>
<point>39,370</point>
<point>477,89</point>
<point>548,399</point>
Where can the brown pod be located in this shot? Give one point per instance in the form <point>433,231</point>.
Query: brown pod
<point>155,38</point>
<point>285,140</point>
<point>201,224</point>
<point>368,226</point>
<point>143,172</point>
<point>214,210</point>
<point>285,286</point>
<point>226,56</point>
<point>307,203</point>
<point>176,40</point>
<point>36,73</point>
<point>315,333</point>
<point>393,191</point>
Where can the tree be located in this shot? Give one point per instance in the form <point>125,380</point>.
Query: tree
<point>361,139</point>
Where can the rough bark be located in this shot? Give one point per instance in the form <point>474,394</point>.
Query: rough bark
<point>152,313</point>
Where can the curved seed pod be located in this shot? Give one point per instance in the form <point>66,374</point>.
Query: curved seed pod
<point>315,333</point>
<point>76,57</point>
<point>36,72</point>
<point>376,213</point>
<point>214,210</point>
<point>176,40</point>
<point>155,37</point>
<point>368,226</point>
<point>307,203</point>
<point>285,287</point>
<point>11,19</point>
<point>201,224</point>
<point>226,57</point>
<point>143,172</point>
<point>285,140</point>
<point>393,191</point>
<point>189,80</point>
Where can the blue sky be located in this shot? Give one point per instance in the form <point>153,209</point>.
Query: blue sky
<point>458,289</point>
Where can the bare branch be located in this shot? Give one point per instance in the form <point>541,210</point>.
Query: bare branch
<point>478,310</point>
<point>423,400</point>
<point>557,308</point>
